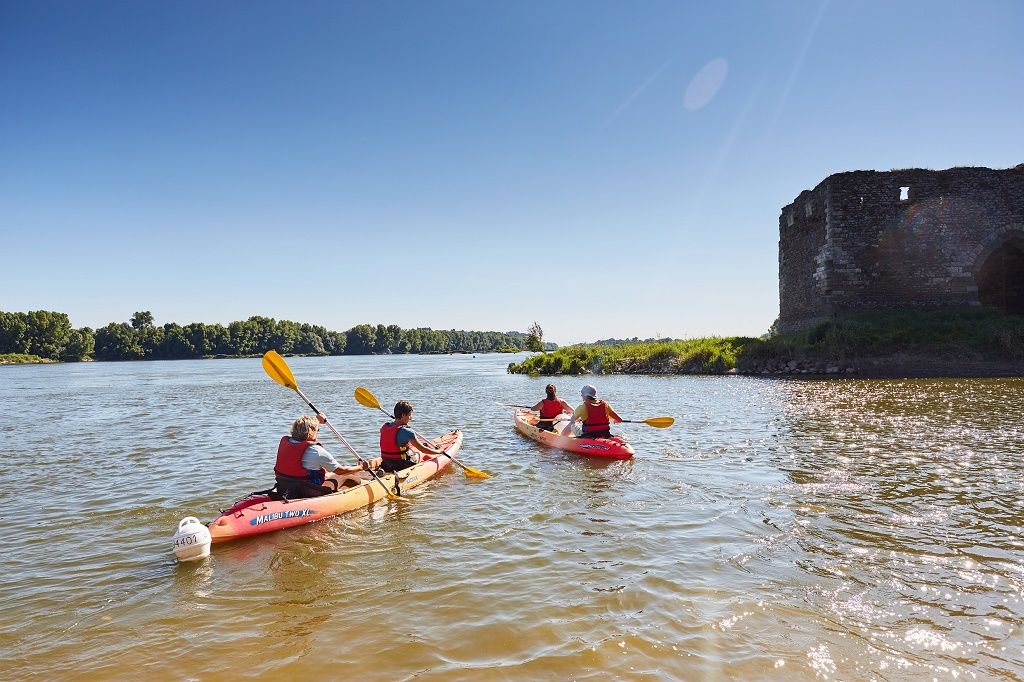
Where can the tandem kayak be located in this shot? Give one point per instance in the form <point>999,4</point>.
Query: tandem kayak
<point>615,447</point>
<point>259,514</point>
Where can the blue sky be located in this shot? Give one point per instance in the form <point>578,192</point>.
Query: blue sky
<point>606,169</point>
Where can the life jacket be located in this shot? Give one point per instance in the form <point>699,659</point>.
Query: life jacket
<point>389,447</point>
<point>549,409</point>
<point>597,417</point>
<point>289,461</point>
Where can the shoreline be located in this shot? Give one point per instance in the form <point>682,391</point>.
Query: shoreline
<point>893,367</point>
<point>8,360</point>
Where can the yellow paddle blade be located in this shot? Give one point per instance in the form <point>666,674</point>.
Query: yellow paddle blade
<point>660,422</point>
<point>367,399</point>
<point>277,369</point>
<point>474,473</point>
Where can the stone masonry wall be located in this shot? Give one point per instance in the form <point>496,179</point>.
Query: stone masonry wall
<point>802,274</point>
<point>878,251</point>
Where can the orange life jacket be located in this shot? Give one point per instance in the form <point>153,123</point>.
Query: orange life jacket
<point>389,447</point>
<point>289,461</point>
<point>597,417</point>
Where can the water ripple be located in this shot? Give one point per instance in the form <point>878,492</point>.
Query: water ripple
<point>840,529</point>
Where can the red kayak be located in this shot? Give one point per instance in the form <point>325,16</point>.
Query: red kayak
<point>615,447</point>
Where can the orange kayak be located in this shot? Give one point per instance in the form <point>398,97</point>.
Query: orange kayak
<point>615,447</point>
<point>259,514</point>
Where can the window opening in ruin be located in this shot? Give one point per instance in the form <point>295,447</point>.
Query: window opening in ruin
<point>904,193</point>
<point>1001,279</point>
<point>790,219</point>
<point>808,209</point>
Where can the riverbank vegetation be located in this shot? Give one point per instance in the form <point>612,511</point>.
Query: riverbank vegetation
<point>852,344</point>
<point>22,359</point>
<point>50,336</point>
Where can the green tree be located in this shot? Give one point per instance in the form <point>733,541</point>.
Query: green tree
<point>81,344</point>
<point>334,342</point>
<point>310,343</point>
<point>150,340</point>
<point>265,332</point>
<point>201,338</point>
<point>142,319</point>
<point>535,338</point>
<point>360,340</point>
<point>13,333</point>
<point>175,343</point>
<point>218,339</point>
<point>117,342</point>
<point>244,338</point>
<point>48,333</point>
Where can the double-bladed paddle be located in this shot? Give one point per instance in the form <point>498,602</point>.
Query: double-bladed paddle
<point>278,370</point>
<point>367,399</point>
<point>656,422</point>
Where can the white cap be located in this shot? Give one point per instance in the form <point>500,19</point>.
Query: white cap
<point>588,391</point>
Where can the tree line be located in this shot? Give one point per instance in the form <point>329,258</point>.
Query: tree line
<point>50,335</point>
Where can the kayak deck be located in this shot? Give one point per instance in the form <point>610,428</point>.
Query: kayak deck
<point>259,514</point>
<point>615,447</point>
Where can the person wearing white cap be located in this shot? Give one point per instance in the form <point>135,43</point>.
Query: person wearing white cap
<point>597,415</point>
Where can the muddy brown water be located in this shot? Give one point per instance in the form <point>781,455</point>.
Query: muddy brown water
<point>797,530</point>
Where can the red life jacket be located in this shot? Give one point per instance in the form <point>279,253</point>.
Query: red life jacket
<point>289,461</point>
<point>389,447</point>
<point>597,417</point>
<point>549,409</point>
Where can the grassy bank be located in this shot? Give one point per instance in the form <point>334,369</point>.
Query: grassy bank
<point>848,345</point>
<point>691,356</point>
<point>22,359</point>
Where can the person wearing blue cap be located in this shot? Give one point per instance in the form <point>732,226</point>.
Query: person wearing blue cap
<point>597,415</point>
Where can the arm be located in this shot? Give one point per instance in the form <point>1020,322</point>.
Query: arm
<point>536,408</point>
<point>423,446</point>
<point>567,431</point>
<point>566,407</point>
<point>365,465</point>
<point>317,456</point>
<point>613,415</point>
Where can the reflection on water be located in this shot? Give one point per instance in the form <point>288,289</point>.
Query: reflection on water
<point>910,517</point>
<point>839,529</point>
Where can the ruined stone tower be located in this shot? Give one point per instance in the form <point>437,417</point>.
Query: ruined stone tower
<point>913,238</point>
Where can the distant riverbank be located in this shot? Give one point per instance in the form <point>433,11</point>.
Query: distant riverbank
<point>23,359</point>
<point>913,344</point>
<point>43,335</point>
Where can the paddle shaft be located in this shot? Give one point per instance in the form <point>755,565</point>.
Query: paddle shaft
<point>367,399</point>
<point>343,441</point>
<point>656,422</point>
<point>451,457</point>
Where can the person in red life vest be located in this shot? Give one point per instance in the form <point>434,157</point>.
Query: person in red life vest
<point>597,416</point>
<point>549,408</point>
<point>397,439</point>
<point>303,463</point>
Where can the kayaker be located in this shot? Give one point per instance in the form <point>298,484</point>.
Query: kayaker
<point>549,408</point>
<point>397,439</point>
<point>597,415</point>
<point>303,462</point>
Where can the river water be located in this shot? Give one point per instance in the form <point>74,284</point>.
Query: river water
<point>832,529</point>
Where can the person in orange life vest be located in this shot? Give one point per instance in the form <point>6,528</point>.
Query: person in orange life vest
<point>397,439</point>
<point>303,462</point>
<point>597,416</point>
<point>549,408</point>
